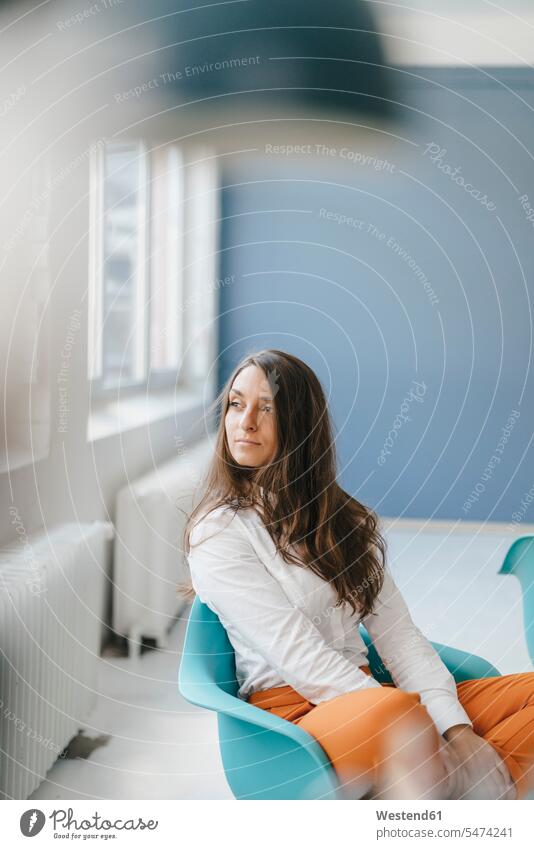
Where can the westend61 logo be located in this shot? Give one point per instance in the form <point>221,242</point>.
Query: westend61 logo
<point>33,820</point>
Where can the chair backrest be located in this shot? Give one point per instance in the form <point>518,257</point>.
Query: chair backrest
<point>264,756</point>
<point>208,654</point>
<point>462,665</point>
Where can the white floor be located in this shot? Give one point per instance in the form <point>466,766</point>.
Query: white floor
<point>449,580</point>
<point>160,747</point>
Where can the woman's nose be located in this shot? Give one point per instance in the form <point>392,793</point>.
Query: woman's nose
<point>249,419</point>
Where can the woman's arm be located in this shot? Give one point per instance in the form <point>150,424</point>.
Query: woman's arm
<point>413,663</point>
<point>229,577</point>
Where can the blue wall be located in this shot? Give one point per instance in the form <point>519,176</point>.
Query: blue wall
<point>434,285</point>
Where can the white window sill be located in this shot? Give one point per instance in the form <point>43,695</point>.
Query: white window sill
<point>115,417</point>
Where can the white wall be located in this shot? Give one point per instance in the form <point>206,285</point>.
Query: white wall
<point>61,476</point>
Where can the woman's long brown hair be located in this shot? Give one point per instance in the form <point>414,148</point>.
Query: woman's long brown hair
<point>335,535</point>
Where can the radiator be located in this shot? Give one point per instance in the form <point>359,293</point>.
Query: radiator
<point>148,560</point>
<point>51,611</point>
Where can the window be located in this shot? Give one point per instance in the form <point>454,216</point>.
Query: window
<point>152,288</point>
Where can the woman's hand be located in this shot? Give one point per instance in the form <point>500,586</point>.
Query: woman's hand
<point>478,770</point>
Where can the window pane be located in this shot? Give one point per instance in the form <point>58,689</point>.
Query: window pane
<point>123,273</point>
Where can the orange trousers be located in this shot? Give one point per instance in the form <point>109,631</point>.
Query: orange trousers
<point>350,727</point>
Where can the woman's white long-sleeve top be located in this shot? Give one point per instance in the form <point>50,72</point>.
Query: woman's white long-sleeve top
<point>283,624</point>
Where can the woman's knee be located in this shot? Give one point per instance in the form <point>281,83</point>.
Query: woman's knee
<point>379,711</point>
<point>367,714</point>
<point>401,704</point>
<point>518,685</point>
<point>525,682</point>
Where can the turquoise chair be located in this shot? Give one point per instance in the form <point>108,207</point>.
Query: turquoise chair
<point>519,561</point>
<point>265,756</point>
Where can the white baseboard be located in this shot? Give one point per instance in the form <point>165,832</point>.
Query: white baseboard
<point>456,526</point>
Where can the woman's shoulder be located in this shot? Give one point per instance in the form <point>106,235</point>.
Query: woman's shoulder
<point>213,521</point>
<point>238,522</point>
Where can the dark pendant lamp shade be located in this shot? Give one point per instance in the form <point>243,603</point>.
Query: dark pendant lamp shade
<point>285,53</point>
<point>190,68</point>
<point>241,63</point>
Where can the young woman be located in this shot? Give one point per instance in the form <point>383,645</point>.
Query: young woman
<point>291,564</point>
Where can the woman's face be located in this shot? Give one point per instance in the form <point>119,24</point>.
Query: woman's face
<point>250,420</point>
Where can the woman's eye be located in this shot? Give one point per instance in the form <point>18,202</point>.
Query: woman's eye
<point>236,404</point>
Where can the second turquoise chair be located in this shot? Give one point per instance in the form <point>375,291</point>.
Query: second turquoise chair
<point>264,756</point>
<point>519,561</point>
